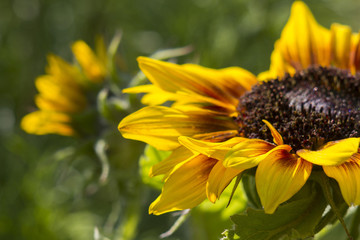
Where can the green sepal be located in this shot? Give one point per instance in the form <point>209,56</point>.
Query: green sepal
<point>295,219</point>
<point>151,157</point>
<point>248,182</point>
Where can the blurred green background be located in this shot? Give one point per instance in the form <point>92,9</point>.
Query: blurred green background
<point>47,191</point>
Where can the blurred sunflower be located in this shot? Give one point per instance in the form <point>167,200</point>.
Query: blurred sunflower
<point>301,114</point>
<point>62,91</point>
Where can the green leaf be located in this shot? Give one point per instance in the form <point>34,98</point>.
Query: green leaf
<point>150,157</point>
<point>292,220</point>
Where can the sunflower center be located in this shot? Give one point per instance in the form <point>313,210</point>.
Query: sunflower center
<point>313,107</point>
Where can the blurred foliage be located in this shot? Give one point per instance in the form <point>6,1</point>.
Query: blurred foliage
<point>49,185</point>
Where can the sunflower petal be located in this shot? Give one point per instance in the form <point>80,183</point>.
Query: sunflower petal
<point>185,188</point>
<point>178,157</point>
<point>45,122</point>
<point>334,153</point>
<point>63,73</point>
<point>219,179</point>
<point>199,83</point>
<point>341,45</point>
<point>348,177</point>
<point>248,154</point>
<point>303,42</point>
<point>161,126</point>
<point>94,69</point>
<point>279,176</point>
<point>210,149</point>
<point>276,135</point>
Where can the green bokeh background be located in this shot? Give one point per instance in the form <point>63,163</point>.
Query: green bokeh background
<point>44,194</point>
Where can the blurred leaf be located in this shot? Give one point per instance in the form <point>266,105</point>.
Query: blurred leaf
<point>292,220</point>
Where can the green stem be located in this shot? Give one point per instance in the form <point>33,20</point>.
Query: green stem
<point>354,229</point>
<point>325,185</point>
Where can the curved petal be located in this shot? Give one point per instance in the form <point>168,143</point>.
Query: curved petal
<point>154,95</point>
<point>303,42</point>
<point>161,126</point>
<point>348,177</point>
<point>210,149</point>
<point>185,188</point>
<point>63,73</point>
<point>198,83</point>
<point>219,179</point>
<point>44,122</point>
<point>61,93</point>
<point>94,69</point>
<point>333,153</point>
<point>248,154</point>
<point>279,176</point>
<point>355,53</point>
<point>178,157</point>
<point>341,45</point>
<point>276,135</point>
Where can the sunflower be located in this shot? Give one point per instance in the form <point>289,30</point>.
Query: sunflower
<point>62,91</point>
<point>299,117</point>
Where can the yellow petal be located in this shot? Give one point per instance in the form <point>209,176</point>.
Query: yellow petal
<point>278,65</point>
<point>355,53</point>
<point>43,122</point>
<point>178,157</point>
<point>154,95</point>
<point>71,99</point>
<point>276,135</point>
<point>63,73</point>
<point>196,83</point>
<point>93,68</point>
<point>58,104</point>
<point>303,42</point>
<point>248,154</point>
<point>161,126</point>
<point>185,188</point>
<point>341,45</point>
<point>334,153</point>
<point>210,149</point>
<point>348,177</point>
<point>219,179</point>
<point>279,176</point>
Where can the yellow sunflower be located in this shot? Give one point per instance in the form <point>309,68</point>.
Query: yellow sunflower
<point>62,91</point>
<point>299,117</point>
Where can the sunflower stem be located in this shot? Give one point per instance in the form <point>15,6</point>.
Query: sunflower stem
<point>325,185</point>
<point>354,229</point>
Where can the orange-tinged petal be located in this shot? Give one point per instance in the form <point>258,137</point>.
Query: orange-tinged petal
<point>303,42</point>
<point>161,126</point>
<point>248,154</point>
<point>185,188</point>
<point>355,57</point>
<point>219,179</point>
<point>44,122</point>
<point>93,68</point>
<point>217,150</point>
<point>178,157</point>
<point>348,177</point>
<point>198,83</point>
<point>341,45</point>
<point>279,176</point>
<point>276,135</point>
<point>333,153</point>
